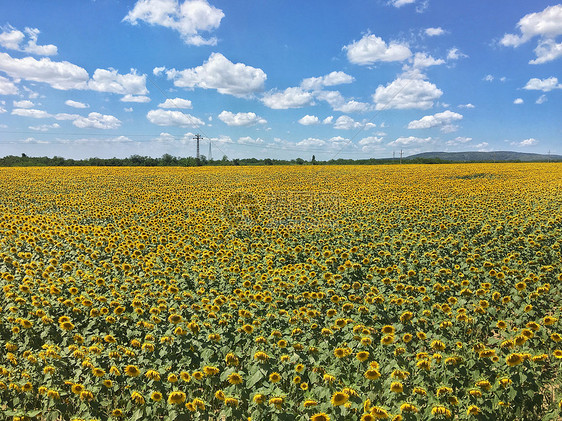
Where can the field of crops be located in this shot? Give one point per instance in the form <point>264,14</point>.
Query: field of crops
<point>291,293</point>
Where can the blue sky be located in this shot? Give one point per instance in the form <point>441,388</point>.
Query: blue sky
<point>279,79</point>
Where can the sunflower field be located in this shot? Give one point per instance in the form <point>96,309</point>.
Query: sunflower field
<point>316,293</point>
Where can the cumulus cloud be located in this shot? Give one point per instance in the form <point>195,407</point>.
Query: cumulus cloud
<point>309,120</point>
<point>135,98</point>
<point>76,104</point>
<point>7,87</point>
<point>189,18</point>
<point>371,49</point>
<point>294,97</point>
<point>410,140</point>
<point>528,142</point>
<point>544,85</point>
<point>518,101</point>
<point>434,32</point>
<point>45,127</point>
<point>371,140</point>
<point>97,121</point>
<point>331,79</point>
<point>111,81</point>
<point>59,74</point>
<point>547,25</point>
<point>339,103</point>
<point>311,141</point>
<point>345,122</point>
<point>23,104</point>
<point>12,39</point>
<point>175,103</point>
<point>439,119</point>
<point>30,112</point>
<point>422,60</point>
<point>173,118</point>
<point>469,105</point>
<point>241,119</point>
<point>221,74</point>
<point>328,120</point>
<point>455,54</point>
<point>410,90</point>
<point>460,140</point>
<point>247,140</point>
<point>400,3</point>
<point>63,75</point>
<point>542,99</point>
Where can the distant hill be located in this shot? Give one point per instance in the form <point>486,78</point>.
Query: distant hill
<point>496,156</point>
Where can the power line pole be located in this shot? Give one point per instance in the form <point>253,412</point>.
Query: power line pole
<point>400,156</point>
<point>198,138</point>
<point>210,152</point>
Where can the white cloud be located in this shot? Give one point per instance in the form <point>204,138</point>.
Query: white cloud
<point>482,147</point>
<point>345,122</point>
<point>76,104</point>
<point>371,49</point>
<point>45,127</point>
<point>97,121</point>
<point>331,79</point>
<point>65,116</point>
<point>221,74</point>
<point>528,142</point>
<point>469,105</point>
<point>339,103</point>
<point>434,32</point>
<point>542,99</point>
<point>135,98</point>
<point>247,140</point>
<point>290,98</point>
<point>188,18</point>
<point>311,141</point>
<point>455,54</point>
<point>547,23</point>
<point>488,78</point>
<point>173,118</point>
<point>544,85</point>
<point>328,120</point>
<point>11,39</point>
<point>2,110</point>
<point>30,112</point>
<point>460,140</point>
<point>165,137</point>
<point>410,140</point>
<point>176,103</point>
<point>128,110</point>
<point>59,74</point>
<point>309,120</point>
<point>23,104</point>
<point>518,101</point>
<point>111,81</point>
<point>439,119</point>
<point>240,119</point>
<point>7,87</point>
<point>400,3</point>
<point>409,90</point>
<point>421,60</point>
<point>371,140</point>
<point>547,50</point>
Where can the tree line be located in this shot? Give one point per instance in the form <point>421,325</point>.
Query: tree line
<point>168,160</point>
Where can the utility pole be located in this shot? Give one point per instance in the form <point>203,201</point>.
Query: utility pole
<point>210,152</point>
<point>400,156</point>
<point>198,138</point>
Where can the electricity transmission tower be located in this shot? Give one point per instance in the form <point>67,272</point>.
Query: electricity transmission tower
<point>198,137</point>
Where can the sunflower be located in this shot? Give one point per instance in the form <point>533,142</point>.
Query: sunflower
<point>132,371</point>
<point>77,388</point>
<point>156,396</point>
<point>176,397</point>
<point>472,410</point>
<point>372,374</point>
<point>339,398</point>
<point>235,378</point>
<point>441,410</point>
<point>274,377</point>
<point>137,398</point>
<point>396,387</point>
<point>408,407</point>
<point>514,359</point>
<point>320,417</point>
<point>362,356</point>
<point>259,398</point>
<point>379,413</point>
